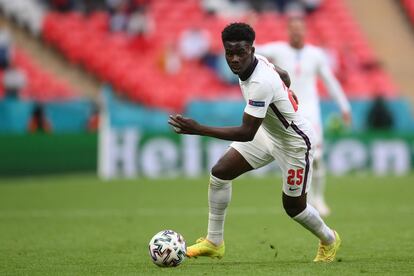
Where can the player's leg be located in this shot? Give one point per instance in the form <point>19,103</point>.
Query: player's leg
<point>317,193</point>
<point>297,174</point>
<point>240,158</point>
<point>229,167</point>
<point>304,213</point>
<point>308,217</point>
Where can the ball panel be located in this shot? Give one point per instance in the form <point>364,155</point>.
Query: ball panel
<point>167,248</point>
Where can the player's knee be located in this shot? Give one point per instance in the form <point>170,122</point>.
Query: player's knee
<point>220,172</point>
<point>294,210</point>
<point>294,206</point>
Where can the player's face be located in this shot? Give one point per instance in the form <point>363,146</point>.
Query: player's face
<point>239,55</point>
<point>297,30</point>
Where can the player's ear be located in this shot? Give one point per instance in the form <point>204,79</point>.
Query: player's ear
<point>253,50</point>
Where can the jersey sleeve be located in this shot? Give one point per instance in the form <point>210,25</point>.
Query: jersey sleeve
<point>259,98</point>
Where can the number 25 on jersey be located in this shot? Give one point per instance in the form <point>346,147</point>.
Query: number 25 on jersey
<point>295,177</point>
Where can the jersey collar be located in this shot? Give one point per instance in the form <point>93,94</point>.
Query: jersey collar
<point>249,71</point>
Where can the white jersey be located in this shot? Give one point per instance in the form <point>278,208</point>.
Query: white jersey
<point>304,66</point>
<point>267,97</point>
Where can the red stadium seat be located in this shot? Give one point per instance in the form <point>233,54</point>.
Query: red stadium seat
<point>41,85</point>
<point>137,74</point>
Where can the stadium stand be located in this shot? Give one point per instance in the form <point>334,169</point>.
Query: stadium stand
<point>136,74</point>
<point>28,14</point>
<point>42,85</point>
<point>134,67</point>
<point>62,109</point>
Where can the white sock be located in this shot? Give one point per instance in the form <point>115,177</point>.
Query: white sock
<point>310,219</point>
<point>219,196</point>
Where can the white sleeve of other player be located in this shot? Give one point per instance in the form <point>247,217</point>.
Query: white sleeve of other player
<point>332,85</point>
<point>259,98</point>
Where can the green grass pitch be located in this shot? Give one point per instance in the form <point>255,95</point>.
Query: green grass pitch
<point>78,225</point>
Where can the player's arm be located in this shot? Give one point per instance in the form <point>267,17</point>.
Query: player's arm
<point>335,90</point>
<point>284,75</point>
<point>243,133</point>
<point>260,96</point>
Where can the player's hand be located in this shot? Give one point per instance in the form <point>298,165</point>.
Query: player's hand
<point>347,118</point>
<point>184,125</point>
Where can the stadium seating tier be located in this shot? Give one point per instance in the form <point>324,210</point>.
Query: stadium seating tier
<point>134,69</point>
<point>42,85</point>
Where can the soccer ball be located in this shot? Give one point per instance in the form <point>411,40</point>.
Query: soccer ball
<point>167,248</point>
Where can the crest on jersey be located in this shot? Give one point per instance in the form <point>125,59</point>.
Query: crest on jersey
<point>257,103</point>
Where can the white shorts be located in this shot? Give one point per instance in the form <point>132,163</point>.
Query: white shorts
<point>296,167</point>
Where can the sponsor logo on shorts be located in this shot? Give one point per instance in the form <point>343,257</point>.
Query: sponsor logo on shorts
<point>293,189</point>
<point>257,103</point>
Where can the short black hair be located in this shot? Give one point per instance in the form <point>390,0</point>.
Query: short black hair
<point>238,32</point>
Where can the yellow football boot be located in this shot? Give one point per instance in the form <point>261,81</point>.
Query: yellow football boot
<point>327,253</point>
<point>204,247</point>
